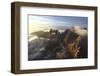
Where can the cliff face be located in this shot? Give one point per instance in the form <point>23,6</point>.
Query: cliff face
<point>57,45</point>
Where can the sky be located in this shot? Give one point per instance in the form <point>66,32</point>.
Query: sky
<point>40,22</point>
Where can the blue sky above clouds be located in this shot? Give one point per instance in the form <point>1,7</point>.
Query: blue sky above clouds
<point>45,23</point>
<point>60,20</point>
